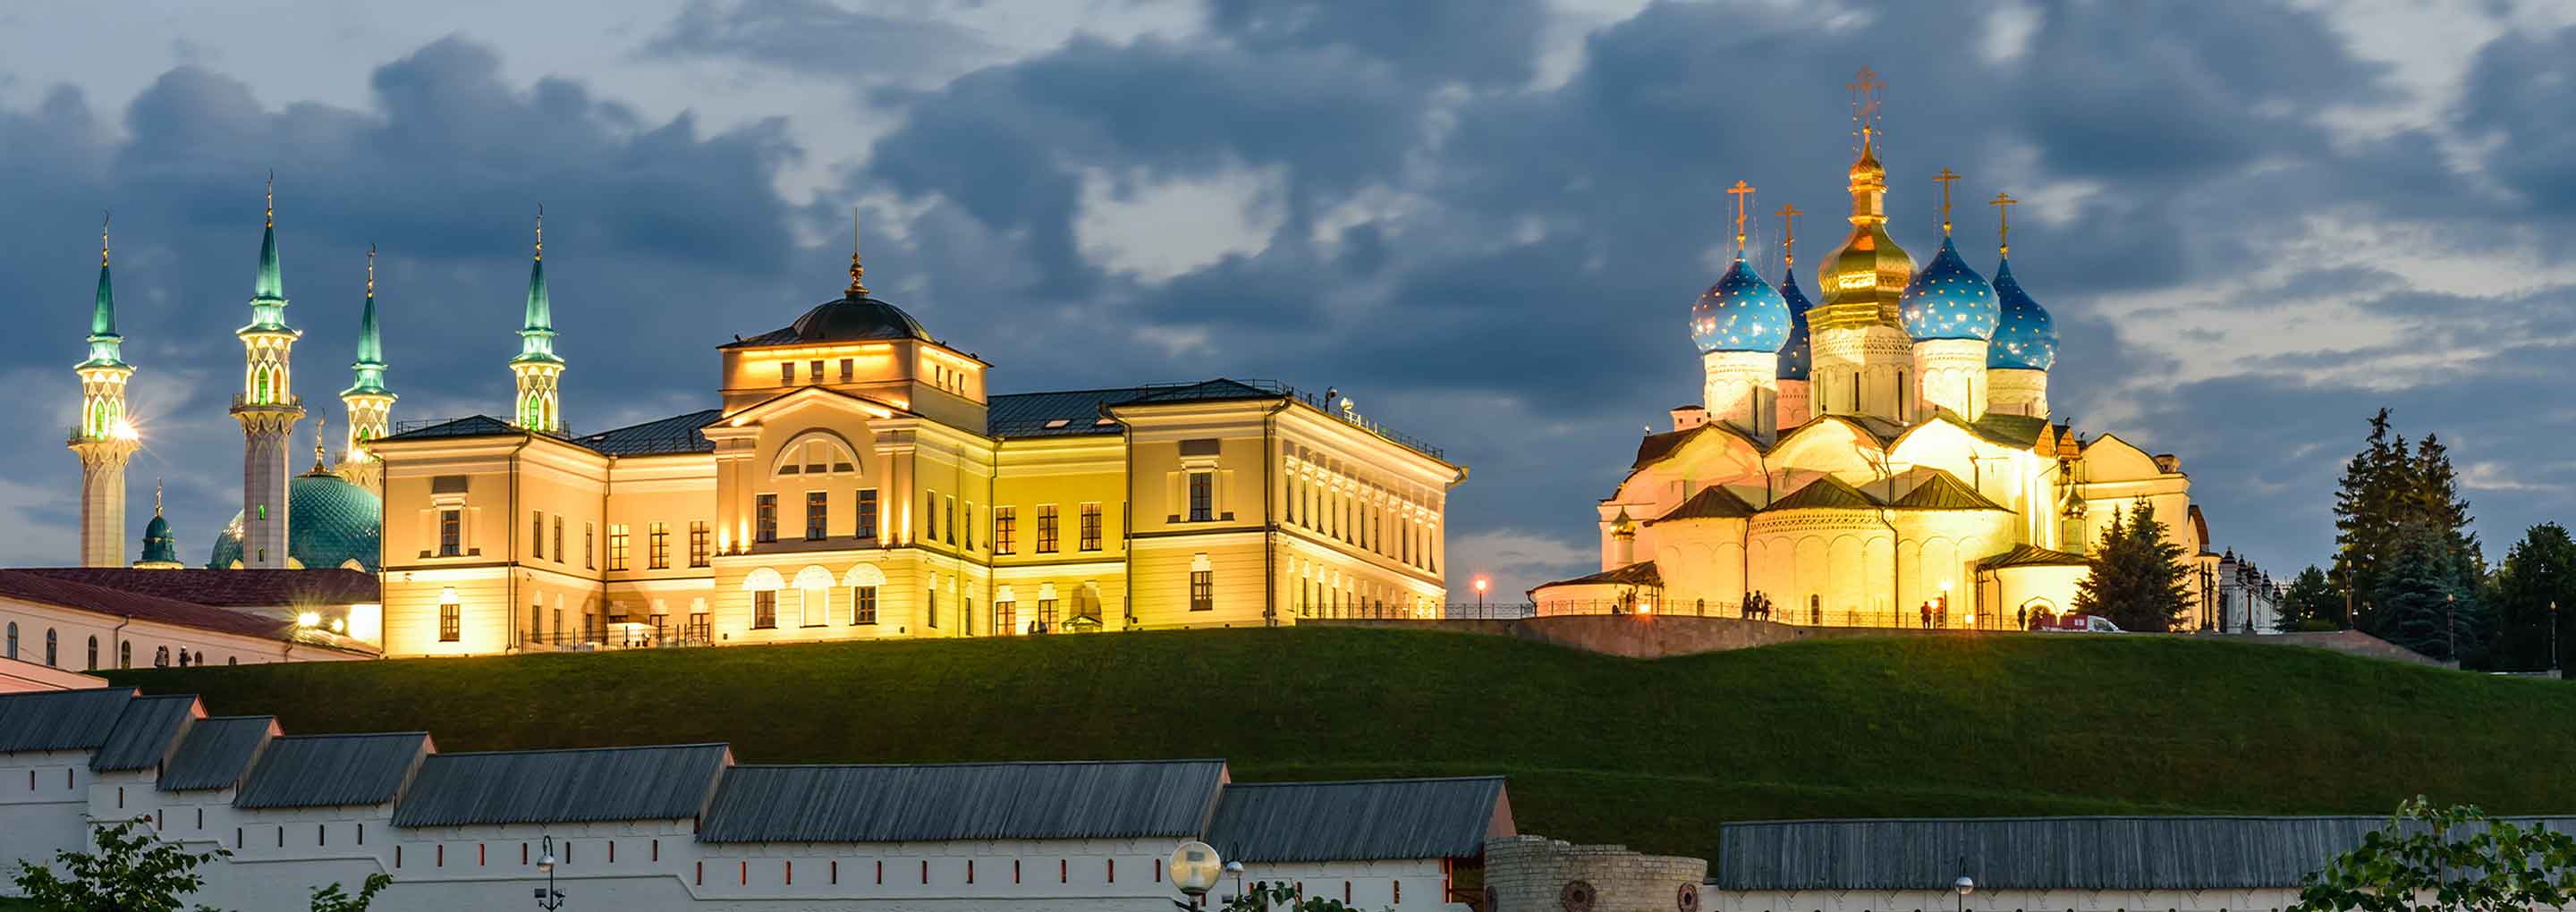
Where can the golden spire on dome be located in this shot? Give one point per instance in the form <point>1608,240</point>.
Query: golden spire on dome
<point>371,269</point>
<point>270,217</point>
<point>103,221</point>
<point>1945,177</point>
<point>858,271</point>
<point>2003,204</point>
<point>320,421</point>
<point>1788,235</point>
<point>1743,192</point>
<point>541,233</point>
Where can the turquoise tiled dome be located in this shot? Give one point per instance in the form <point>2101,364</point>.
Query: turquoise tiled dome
<point>1740,313</point>
<point>1948,300</point>
<point>329,523</point>
<point>2026,339</point>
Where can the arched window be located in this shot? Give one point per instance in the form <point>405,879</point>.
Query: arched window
<point>814,596</point>
<point>49,649</point>
<point>125,654</point>
<point>93,655</point>
<point>13,639</point>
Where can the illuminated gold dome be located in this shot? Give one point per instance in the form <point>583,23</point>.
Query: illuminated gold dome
<point>1862,278</point>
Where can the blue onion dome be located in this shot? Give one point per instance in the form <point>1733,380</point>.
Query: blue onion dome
<point>1740,313</point>
<point>1794,355</point>
<point>2025,339</point>
<point>1948,300</point>
<point>330,522</point>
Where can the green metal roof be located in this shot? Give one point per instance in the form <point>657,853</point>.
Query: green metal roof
<point>1641,573</point>
<point>1942,492</point>
<point>1713,502</point>
<point>370,366</point>
<point>271,284</point>
<point>106,348</point>
<point>1825,493</point>
<point>537,330</point>
<point>2032,556</point>
<point>159,546</point>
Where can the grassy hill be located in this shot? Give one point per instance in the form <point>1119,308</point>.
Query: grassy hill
<point>1653,754</point>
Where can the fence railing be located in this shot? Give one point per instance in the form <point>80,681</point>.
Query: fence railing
<point>1802,615</point>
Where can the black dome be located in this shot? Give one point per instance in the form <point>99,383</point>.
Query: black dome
<point>848,319</point>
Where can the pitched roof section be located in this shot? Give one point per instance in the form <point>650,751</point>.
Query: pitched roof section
<point>333,770</point>
<point>2012,430</point>
<point>563,786</point>
<point>146,733</point>
<point>38,587</point>
<point>1101,800</point>
<point>1358,821</point>
<point>468,426</point>
<point>2033,556</point>
<point>1641,573</point>
<point>1940,491</point>
<point>2046,853</point>
<point>55,720</point>
<point>1712,502</point>
<point>216,753</point>
<point>1825,493</point>
<point>230,588</point>
<point>1071,413</point>
<point>660,437</point>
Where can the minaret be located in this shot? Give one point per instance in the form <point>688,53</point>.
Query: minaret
<point>369,403</point>
<point>539,405</point>
<point>266,407</point>
<point>105,438</point>
<point>160,547</point>
<point>1860,354</point>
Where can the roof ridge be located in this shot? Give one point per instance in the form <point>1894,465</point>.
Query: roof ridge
<point>581,750</point>
<point>350,735</point>
<point>1380,781</point>
<point>962,763</point>
<point>598,434</point>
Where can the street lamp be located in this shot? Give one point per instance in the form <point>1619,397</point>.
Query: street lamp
<point>1480,596</point>
<point>1236,868</point>
<point>1964,885</point>
<point>1195,870</point>
<point>548,898</point>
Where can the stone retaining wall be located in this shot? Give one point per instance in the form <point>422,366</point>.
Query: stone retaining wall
<point>1538,874</point>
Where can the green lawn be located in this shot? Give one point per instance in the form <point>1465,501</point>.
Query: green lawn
<point>1653,754</point>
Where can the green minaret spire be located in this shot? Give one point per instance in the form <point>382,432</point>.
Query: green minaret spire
<point>106,348</point>
<point>537,328</point>
<point>370,366</point>
<point>268,293</point>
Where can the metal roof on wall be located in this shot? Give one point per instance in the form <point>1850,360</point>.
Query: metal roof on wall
<point>216,753</point>
<point>146,732</point>
<point>333,770</point>
<point>1358,821</point>
<point>563,786</point>
<point>1099,800</point>
<point>60,719</point>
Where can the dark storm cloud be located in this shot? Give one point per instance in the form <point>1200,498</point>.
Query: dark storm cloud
<point>816,37</point>
<point>2519,92</point>
<point>1486,42</point>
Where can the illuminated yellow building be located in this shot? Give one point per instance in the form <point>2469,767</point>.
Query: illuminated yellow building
<point>859,481</point>
<point>1882,457</point>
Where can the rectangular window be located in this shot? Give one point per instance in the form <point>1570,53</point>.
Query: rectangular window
<point>764,610</point>
<point>970,525</point>
<point>657,546</point>
<point>930,608</point>
<point>1006,618</point>
<point>1006,521</point>
<point>849,369</point>
<point>589,546</point>
<point>818,514</point>
<point>786,373</point>
<point>1202,496</point>
<point>1202,590</point>
<point>950,511</point>
<point>1046,615</point>
<point>451,622</point>
<point>1091,527</point>
<point>867,513</point>
<point>814,370</point>
<point>537,534</point>
<point>863,604</point>
<point>451,532</point>
<point>929,516</point>
<point>698,543</point>
<point>560,557</point>
<point>1046,528</point>
<point>617,546</point>
<point>765,519</point>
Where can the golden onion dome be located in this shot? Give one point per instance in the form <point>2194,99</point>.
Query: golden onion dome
<point>1867,267</point>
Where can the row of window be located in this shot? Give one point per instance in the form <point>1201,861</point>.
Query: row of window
<point>832,871</point>
<point>814,371</point>
<point>940,522</point>
<point>161,658</point>
<point>657,545</point>
<point>1354,521</point>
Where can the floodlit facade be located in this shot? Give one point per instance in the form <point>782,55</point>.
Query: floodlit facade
<point>1882,456</point>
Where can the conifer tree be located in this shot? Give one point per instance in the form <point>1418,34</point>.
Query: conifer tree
<point>2538,571</point>
<point>2420,602</point>
<point>2136,579</point>
<point>2311,603</point>
<point>2364,513</point>
<point>2434,495</point>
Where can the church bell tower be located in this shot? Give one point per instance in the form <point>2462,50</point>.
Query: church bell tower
<point>105,438</point>
<point>266,407</point>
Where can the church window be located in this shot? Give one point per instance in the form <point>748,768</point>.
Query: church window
<point>697,543</point>
<point>1091,527</point>
<point>863,604</point>
<point>950,503</point>
<point>537,534</point>
<point>560,557</point>
<point>160,657</point>
<point>817,514</point>
<point>451,532</point>
<point>1006,521</point>
<point>867,513</point>
<point>1006,617</point>
<point>451,622</point>
<point>93,655</point>
<point>765,518</point>
<point>1202,590</point>
<point>1046,529</point>
<point>849,369</point>
<point>617,535</point>
<point>786,373</point>
<point>657,546</point>
<point>49,648</point>
<point>764,609</point>
<point>1202,496</point>
<point>814,370</point>
<point>589,546</point>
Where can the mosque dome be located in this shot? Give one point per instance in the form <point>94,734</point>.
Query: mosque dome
<point>1740,313</point>
<point>1948,300</point>
<point>1795,357</point>
<point>330,522</point>
<point>2025,338</point>
<point>853,318</point>
<point>159,546</point>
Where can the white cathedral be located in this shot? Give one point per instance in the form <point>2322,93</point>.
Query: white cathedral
<point>1882,457</point>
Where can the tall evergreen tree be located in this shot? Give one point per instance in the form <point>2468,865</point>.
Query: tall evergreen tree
<point>2538,571</point>
<point>2364,511</point>
<point>2311,603</point>
<point>2421,603</point>
<point>2137,577</point>
<point>2434,495</point>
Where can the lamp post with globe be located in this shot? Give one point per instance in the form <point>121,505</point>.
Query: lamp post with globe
<point>1195,869</point>
<point>1964,885</point>
<point>548,898</point>
<point>1480,596</point>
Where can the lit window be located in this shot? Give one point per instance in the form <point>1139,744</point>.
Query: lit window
<point>451,622</point>
<point>1006,618</point>
<point>657,546</point>
<point>764,610</point>
<point>1046,529</point>
<point>617,546</point>
<point>817,514</point>
<point>863,604</point>
<point>1202,590</point>
<point>765,519</point>
<point>1091,527</point>
<point>1006,523</point>
<point>698,543</point>
<point>1202,496</point>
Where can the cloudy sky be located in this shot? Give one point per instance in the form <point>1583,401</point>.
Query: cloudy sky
<point>1486,219</point>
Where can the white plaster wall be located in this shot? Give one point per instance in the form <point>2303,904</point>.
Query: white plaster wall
<point>43,807</point>
<point>1411,885</point>
<point>2272,899</point>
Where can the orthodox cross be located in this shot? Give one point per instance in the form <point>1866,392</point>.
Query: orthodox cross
<point>2003,204</point>
<point>1864,88</point>
<point>1788,235</point>
<point>1945,177</point>
<point>1742,192</point>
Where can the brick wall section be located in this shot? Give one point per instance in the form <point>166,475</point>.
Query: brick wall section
<point>1655,636</point>
<point>1530,873</point>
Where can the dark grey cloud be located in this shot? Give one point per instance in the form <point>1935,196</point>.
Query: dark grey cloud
<point>1483,42</point>
<point>818,37</point>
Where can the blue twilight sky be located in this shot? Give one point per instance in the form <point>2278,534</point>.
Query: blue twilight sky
<point>1486,219</point>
